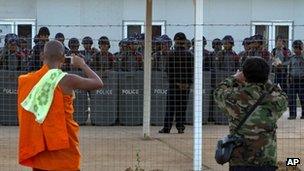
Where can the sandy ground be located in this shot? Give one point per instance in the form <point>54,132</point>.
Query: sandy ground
<point>115,148</point>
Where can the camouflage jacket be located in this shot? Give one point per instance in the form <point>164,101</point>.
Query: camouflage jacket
<point>259,131</point>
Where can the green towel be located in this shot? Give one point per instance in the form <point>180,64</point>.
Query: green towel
<point>41,96</point>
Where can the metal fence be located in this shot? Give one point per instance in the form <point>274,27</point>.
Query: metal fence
<point>111,118</point>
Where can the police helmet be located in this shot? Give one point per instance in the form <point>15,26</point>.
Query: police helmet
<point>73,42</point>
<point>87,40</point>
<point>59,36</point>
<point>104,40</point>
<point>258,38</point>
<point>228,39</point>
<point>216,42</point>
<point>165,39</point>
<point>297,44</point>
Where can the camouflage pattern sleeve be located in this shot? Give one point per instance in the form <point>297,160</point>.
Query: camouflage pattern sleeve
<point>225,96</point>
<point>279,102</point>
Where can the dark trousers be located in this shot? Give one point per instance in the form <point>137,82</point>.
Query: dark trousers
<point>211,101</point>
<point>176,105</point>
<point>252,168</point>
<point>281,78</point>
<point>296,87</point>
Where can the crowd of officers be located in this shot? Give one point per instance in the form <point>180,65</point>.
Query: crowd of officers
<point>16,56</point>
<point>287,66</point>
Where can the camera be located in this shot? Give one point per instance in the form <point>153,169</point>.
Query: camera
<point>68,59</point>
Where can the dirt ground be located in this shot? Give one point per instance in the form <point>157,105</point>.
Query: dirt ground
<point>116,148</point>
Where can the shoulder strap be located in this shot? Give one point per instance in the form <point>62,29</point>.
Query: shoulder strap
<point>250,111</point>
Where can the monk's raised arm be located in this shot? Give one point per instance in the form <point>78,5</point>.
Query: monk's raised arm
<point>72,81</point>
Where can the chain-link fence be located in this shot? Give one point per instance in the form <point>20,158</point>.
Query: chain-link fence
<point>111,118</point>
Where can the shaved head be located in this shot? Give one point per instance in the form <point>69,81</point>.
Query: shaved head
<point>53,51</point>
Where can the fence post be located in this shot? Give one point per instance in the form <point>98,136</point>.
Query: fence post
<point>147,69</point>
<point>198,86</point>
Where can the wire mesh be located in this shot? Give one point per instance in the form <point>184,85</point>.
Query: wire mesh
<point>111,118</point>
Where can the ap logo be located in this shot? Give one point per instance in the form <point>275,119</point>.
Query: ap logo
<point>292,161</point>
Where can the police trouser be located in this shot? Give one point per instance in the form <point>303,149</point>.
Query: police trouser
<point>211,101</point>
<point>281,79</point>
<point>176,105</point>
<point>296,87</point>
<point>252,168</point>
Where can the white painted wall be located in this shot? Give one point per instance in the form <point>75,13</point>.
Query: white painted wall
<point>93,12</point>
<point>227,12</point>
<point>114,12</point>
<point>21,9</point>
<point>245,11</point>
<point>110,12</point>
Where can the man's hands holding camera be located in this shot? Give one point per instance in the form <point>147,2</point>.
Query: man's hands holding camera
<point>239,76</point>
<point>77,61</point>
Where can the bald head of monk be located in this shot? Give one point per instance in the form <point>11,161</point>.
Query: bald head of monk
<point>53,54</point>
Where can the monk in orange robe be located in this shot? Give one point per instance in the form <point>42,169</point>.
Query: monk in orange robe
<point>53,145</point>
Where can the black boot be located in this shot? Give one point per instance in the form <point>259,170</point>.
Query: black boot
<point>164,131</point>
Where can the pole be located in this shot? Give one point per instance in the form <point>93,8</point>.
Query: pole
<point>198,85</point>
<point>147,69</point>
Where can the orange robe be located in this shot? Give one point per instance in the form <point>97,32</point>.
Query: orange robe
<point>52,145</point>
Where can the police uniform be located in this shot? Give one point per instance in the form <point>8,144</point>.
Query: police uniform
<point>180,72</point>
<point>35,60</point>
<point>227,60</point>
<point>263,53</point>
<point>296,72</point>
<point>88,54</point>
<point>259,131</point>
<point>260,51</point>
<point>60,36</point>
<point>243,56</point>
<point>122,48</point>
<point>216,46</point>
<point>280,71</point>
<point>245,53</point>
<point>103,61</point>
<point>140,38</point>
<point>161,56</point>
<point>131,59</point>
<point>12,60</point>
<point>207,62</point>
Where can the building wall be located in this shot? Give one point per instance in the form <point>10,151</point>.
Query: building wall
<point>236,14</point>
<point>98,16</point>
<point>243,12</point>
<point>109,15</point>
<point>21,9</point>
